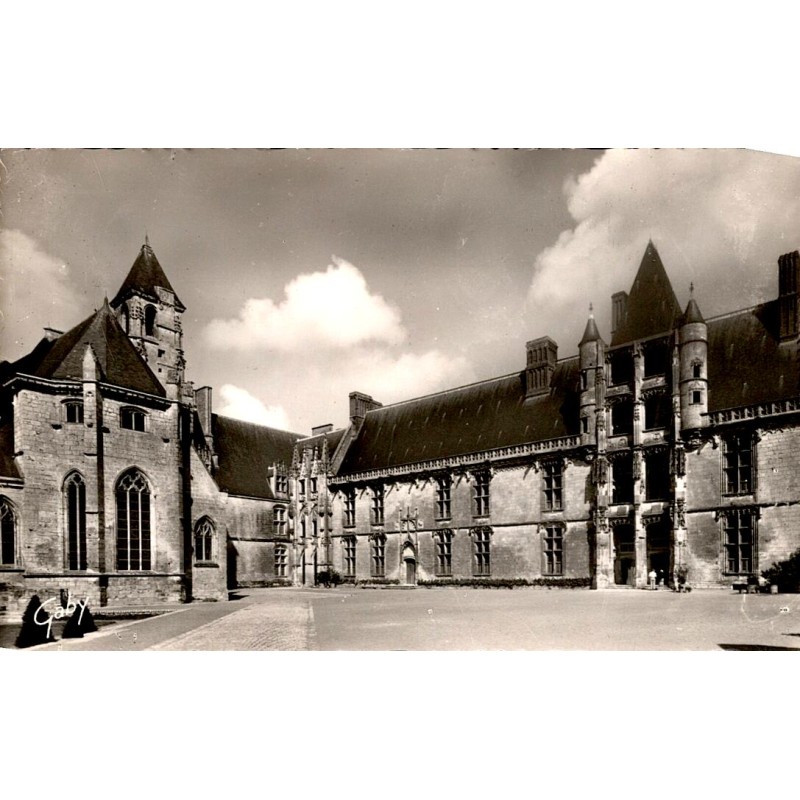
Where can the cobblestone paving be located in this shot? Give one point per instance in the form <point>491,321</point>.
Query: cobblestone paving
<point>285,623</point>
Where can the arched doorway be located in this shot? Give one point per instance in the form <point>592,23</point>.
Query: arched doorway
<point>409,564</point>
<point>232,555</point>
<point>658,551</point>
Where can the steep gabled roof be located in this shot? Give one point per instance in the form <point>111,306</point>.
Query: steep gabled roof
<point>246,452</point>
<point>746,362</point>
<point>118,361</point>
<point>144,276</point>
<point>470,419</point>
<point>652,306</point>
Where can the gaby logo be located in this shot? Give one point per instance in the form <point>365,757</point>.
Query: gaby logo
<point>45,615</point>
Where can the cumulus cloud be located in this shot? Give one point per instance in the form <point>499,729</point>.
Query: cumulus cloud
<point>331,309</point>
<point>719,218</point>
<point>34,291</point>
<point>240,404</point>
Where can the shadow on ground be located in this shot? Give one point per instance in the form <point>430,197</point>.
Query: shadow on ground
<point>755,646</point>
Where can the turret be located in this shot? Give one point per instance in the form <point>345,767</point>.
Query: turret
<point>693,370</point>
<point>591,350</point>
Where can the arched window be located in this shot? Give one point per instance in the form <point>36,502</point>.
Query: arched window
<point>204,540</point>
<point>149,320</point>
<point>8,533</point>
<point>125,320</point>
<point>73,411</point>
<point>75,512</point>
<point>132,419</point>
<point>133,521</point>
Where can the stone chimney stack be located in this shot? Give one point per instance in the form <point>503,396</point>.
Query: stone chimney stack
<point>202,399</point>
<point>360,404</point>
<point>619,310</point>
<point>789,295</point>
<point>542,355</point>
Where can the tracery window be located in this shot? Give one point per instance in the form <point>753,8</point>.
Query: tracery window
<point>443,490</point>
<point>133,522</point>
<point>481,494</point>
<point>75,511</point>
<point>377,504</point>
<point>553,478</point>
<point>132,419</point>
<point>349,556</point>
<point>8,533</point>
<point>482,551</point>
<point>737,467</point>
<point>204,540</point>
<point>378,556</point>
<point>73,411</point>
<point>444,552</point>
<point>553,550</point>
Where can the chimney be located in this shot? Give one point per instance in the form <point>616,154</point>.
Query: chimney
<point>318,430</point>
<point>51,334</point>
<point>619,310</point>
<point>542,355</point>
<point>202,400</point>
<point>789,295</point>
<point>360,403</point>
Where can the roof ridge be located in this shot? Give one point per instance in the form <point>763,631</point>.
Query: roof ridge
<point>258,425</point>
<point>745,310</point>
<point>514,374</point>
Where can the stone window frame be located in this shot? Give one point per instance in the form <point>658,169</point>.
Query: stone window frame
<point>349,507</point>
<point>132,476</point>
<point>481,551</point>
<point>349,548</point>
<point>647,455</point>
<point>553,485</point>
<point>281,560</point>
<point>378,555</point>
<point>481,493</point>
<point>553,558</point>
<point>134,419</point>
<point>9,533</point>
<point>613,458</point>
<point>149,324</point>
<point>735,554</point>
<point>443,497</point>
<point>279,520</point>
<point>377,504</point>
<point>443,542</point>
<point>73,491</point>
<point>205,535</point>
<point>281,483</point>
<point>72,412</point>
<point>733,470</point>
<point>696,397</point>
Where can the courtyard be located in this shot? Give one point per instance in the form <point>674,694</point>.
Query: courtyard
<point>351,619</point>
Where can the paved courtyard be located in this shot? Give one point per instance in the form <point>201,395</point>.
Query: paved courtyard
<point>463,619</point>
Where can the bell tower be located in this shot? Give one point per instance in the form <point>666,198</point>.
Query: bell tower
<point>151,313</point>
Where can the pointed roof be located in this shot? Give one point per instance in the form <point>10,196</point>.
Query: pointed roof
<point>590,333</point>
<point>692,313</point>
<point>145,275</point>
<point>118,361</point>
<point>652,306</point>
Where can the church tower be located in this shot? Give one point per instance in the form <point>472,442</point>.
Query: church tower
<point>150,313</point>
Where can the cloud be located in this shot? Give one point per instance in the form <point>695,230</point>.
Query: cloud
<point>719,218</point>
<point>331,309</point>
<point>240,404</point>
<point>35,291</point>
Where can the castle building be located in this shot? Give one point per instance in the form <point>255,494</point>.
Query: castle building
<point>117,481</point>
<point>670,448</point>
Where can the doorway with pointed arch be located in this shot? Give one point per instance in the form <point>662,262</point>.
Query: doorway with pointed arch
<point>409,563</point>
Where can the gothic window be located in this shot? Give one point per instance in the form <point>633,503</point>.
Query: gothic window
<point>622,479</point>
<point>8,533</point>
<point>739,538</point>
<point>481,494</point>
<point>132,419</point>
<point>656,359</point>
<point>73,411</point>
<point>281,484</point>
<point>204,540</point>
<point>281,560</point>
<point>150,320</point>
<point>622,418</point>
<point>301,487</point>
<point>378,556</point>
<point>657,480</point>
<point>377,505</point>
<point>75,510</point>
<point>349,508</point>
<point>553,476</point>
<point>737,468</point>
<point>349,554</point>
<point>481,551</point>
<point>279,520</point>
<point>444,552</point>
<point>621,368</point>
<point>133,522</point>
<point>553,550</point>
<point>443,487</point>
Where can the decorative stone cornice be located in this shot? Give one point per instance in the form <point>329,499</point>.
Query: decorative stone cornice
<point>482,459</point>
<point>770,409</point>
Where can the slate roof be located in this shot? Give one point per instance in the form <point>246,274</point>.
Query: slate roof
<point>481,416</point>
<point>145,275</point>
<point>652,305</point>
<point>246,452</point>
<point>62,359</point>
<point>746,362</point>
<point>333,437</point>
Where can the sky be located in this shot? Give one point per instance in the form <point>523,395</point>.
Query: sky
<point>308,274</point>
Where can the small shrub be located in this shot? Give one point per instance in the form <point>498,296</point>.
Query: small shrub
<point>785,574</point>
<point>328,578</point>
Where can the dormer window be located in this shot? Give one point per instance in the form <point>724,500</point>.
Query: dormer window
<point>132,419</point>
<point>73,411</point>
<point>282,484</point>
